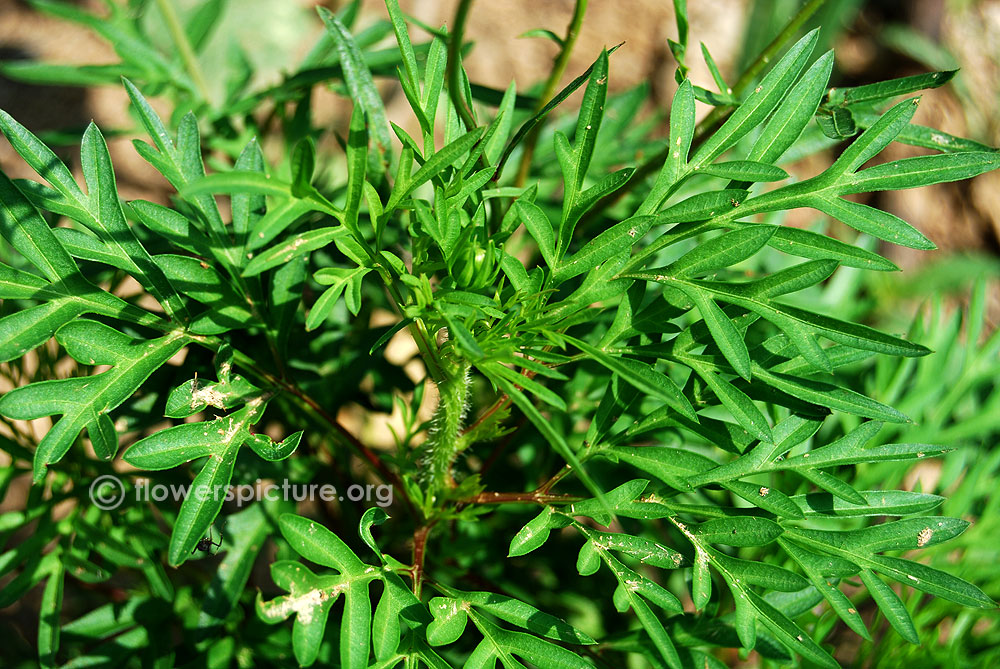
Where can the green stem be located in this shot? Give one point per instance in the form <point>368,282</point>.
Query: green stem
<point>562,61</point>
<point>180,40</point>
<point>455,64</point>
<point>787,34</point>
<point>445,441</point>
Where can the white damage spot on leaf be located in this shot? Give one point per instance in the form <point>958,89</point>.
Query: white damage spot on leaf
<point>304,606</point>
<point>207,395</point>
<point>764,491</point>
<point>924,537</point>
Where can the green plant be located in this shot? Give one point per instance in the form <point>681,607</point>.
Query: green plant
<point>599,354</point>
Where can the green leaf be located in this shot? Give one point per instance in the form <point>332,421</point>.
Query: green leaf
<point>726,336</point>
<point>877,503</point>
<point>291,248</point>
<point>714,69</point>
<point>357,157</point>
<point>722,251</point>
<point>875,222</point>
<point>182,165</point>
<point>499,643</point>
<point>505,121</point>
<point>533,535</point>
<point>904,534</point>
<point>203,20</point>
<point>268,450</point>
<point>642,376</point>
<point>831,396</point>
<point>615,241</point>
<point>587,125</point>
<point>919,135</point>
<point>629,588</point>
<point>359,80</point>
<point>107,220</point>
<point>173,226</point>
<point>83,401</point>
<point>40,157</point>
<point>339,279</point>
<point>703,206</point>
<point>220,440</point>
<point>808,244</point>
<point>540,228</point>
<point>523,615</point>
<point>923,171</point>
<point>874,139</point>
<point>606,186</point>
<point>450,618</point>
<point>736,401</point>
<point>883,90</point>
<point>793,114</point>
<point>794,321</point>
<point>891,606</point>
<point>788,633</point>
<point>310,598</point>
<point>738,531</point>
<point>287,285</point>
<point>818,569</point>
<point>434,165</point>
<point>403,41</point>
<point>836,454</point>
<point>682,124</point>
<point>26,231</point>
<point>555,439</point>
<point>318,544</point>
<point>198,281</point>
<point>644,550</point>
<point>303,166</point>
<point>914,574</point>
<point>546,34</point>
<point>839,124</point>
<point>493,369</point>
<point>833,485</point>
<point>530,124</point>
<point>238,181</point>
<point>772,88</point>
<point>745,170</point>
<point>373,516</point>
<point>48,618</point>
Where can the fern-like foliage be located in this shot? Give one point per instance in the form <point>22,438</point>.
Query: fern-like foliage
<point>693,428</point>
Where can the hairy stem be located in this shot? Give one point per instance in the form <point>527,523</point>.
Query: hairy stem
<point>445,441</point>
